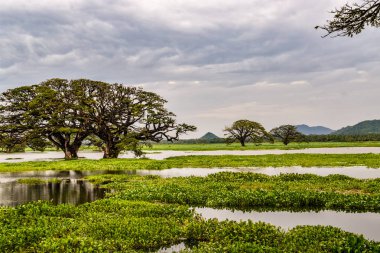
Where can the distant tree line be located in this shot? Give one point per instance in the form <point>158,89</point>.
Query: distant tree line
<point>66,113</point>
<point>342,138</point>
<point>306,138</point>
<point>244,131</point>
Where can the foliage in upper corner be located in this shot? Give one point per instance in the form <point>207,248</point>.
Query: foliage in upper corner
<point>351,19</point>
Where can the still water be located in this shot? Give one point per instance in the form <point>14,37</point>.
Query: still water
<point>367,224</point>
<point>75,191</point>
<point>72,191</point>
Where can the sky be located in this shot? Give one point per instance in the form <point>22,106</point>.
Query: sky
<point>214,61</point>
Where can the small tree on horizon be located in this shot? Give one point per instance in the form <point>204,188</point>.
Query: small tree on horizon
<point>287,134</point>
<point>244,131</point>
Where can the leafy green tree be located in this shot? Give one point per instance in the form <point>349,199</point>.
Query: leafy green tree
<point>124,117</point>
<point>94,141</point>
<point>245,131</point>
<point>67,112</point>
<point>51,110</point>
<point>37,142</point>
<point>12,142</point>
<point>351,19</point>
<point>12,131</point>
<point>287,134</point>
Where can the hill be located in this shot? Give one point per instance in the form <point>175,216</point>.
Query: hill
<point>209,136</point>
<point>307,130</point>
<point>362,128</point>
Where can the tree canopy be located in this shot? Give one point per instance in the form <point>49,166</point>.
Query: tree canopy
<point>351,19</point>
<point>67,112</point>
<point>244,131</point>
<point>287,134</point>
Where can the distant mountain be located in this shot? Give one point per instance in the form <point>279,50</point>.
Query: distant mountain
<point>362,128</point>
<point>307,130</point>
<point>209,136</point>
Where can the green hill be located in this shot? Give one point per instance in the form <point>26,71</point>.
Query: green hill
<point>362,128</point>
<point>209,136</point>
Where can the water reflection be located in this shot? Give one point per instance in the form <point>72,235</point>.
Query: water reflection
<point>367,224</point>
<point>72,191</point>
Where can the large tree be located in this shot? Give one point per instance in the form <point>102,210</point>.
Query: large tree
<point>67,112</point>
<point>244,131</point>
<point>122,117</point>
<point>287,134</point>
<point>50,110</point>
<point>60,115</point>
<point>351,19</point>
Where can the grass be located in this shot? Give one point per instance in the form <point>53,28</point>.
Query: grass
<point>237,146</point>
<point>304,160</point>
<point>263,146</point>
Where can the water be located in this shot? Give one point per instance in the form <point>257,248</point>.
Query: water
<point>72,191</point>
<point>367,224</point>
<point>75,191</point>
<point>174,248</point>
<point>159,155</point>
<point>359,172</point>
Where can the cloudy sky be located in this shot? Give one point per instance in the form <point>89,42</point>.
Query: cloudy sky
<point>214,61</point>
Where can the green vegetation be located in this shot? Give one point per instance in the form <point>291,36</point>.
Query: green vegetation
<point>304,160</point>
<point>105,225</point>
<point>115,224</point>
<point>38,180</point>
<point>229,236</point>
<point>250,191</point>
<point>343,138</point>
<point>66,112</point>
<point>362,128</point>
<point>146,213</point>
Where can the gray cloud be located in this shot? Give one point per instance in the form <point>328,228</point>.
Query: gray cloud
<point>214,61</point>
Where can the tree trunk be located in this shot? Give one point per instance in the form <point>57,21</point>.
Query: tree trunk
<point>242,142</point>
<point>71,152</point>
<point>63,142</point>
<point>111,151</point>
